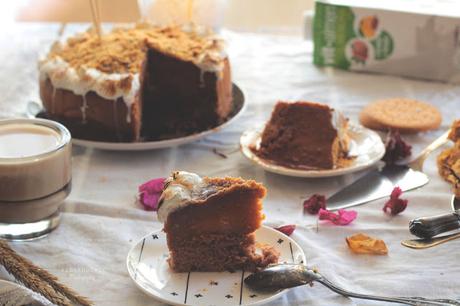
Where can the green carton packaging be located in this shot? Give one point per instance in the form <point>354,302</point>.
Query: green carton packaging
<point>419,39</point>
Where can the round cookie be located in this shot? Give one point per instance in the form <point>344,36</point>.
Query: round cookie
<point>404,115</point>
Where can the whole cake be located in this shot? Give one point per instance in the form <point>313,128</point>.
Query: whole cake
<point>140,83</point>
<point>305,135</point>
<point>210,223</point>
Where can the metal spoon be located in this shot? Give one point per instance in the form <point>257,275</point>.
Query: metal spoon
<point>283,276</point>
<point>33,109</point>
<point>429,227</point>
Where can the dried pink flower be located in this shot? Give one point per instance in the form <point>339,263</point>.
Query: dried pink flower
<point>313,204</point>
<point>395,205</point>
<point>342,217</point>
<point>149,193</point>
<point>287,229</point>
<point>395,148</point>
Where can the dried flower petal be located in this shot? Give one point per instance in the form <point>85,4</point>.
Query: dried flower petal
<point>363,244</point>
<point>343,217</point>
<point>314,204</point>
<point>395,205</point>
<point>395,148</point>
<point>286,229</point>
<point>149,193</point>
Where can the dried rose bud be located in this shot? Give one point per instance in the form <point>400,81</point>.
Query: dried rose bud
<point>395,205</point>
<point>150,192</point>
<point>314,204</point>
<point>286,229</point>
<point>395,148</point>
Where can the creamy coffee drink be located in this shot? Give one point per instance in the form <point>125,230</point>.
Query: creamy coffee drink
<point>24,140</point>
<point>35,169</point>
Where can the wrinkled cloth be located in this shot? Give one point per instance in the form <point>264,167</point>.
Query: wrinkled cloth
<point>101,219</point>
<point>12,294</point>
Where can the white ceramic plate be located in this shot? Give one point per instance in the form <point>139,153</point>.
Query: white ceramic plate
<point>240,106</point>
<point>149,270</point>
<point>365,144</point>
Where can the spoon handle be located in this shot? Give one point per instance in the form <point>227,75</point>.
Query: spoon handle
<point>417,301</point>
<point>428,243</point>
<point>428,227</point>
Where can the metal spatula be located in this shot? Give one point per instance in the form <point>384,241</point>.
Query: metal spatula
<point>379,183</point>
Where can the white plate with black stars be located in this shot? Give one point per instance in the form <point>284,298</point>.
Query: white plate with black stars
<point>148,268</point>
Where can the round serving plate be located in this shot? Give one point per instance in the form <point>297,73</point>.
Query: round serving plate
<point>148,267</point>
<point>365,144</point>
<point>239,107</point>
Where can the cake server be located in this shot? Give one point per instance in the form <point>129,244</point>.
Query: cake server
<point>379,183</point>
<point>428,227</point>
<point>283,276</point>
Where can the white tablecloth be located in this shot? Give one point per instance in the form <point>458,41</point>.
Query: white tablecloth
<point>102,220</point>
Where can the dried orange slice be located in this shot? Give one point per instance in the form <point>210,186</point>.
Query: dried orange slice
<point>364,244</point>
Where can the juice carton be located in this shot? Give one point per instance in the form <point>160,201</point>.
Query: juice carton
<point>419,39</point>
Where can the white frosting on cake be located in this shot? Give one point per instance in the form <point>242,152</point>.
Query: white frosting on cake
<point>180,189</point>
<point>80,82</point>
<point>112,86</point>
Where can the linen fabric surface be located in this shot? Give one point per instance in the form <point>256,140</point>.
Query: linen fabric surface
<point>102,220</point>
<point>12,294</point>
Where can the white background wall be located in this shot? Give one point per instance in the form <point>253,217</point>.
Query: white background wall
<point>247,15</point>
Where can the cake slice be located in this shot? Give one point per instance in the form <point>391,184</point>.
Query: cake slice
<point>305,135</point>
<point>210,223</point>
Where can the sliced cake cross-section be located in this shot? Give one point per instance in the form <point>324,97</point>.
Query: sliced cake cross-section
<point>210,223</point>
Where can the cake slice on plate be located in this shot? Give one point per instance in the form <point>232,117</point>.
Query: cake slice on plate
<point>210,223</point>
<point>305,135</point>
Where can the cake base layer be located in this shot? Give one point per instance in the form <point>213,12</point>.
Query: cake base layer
<point>219,252</point>
<point>90,117</point>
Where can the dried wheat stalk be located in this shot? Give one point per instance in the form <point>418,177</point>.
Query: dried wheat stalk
<point>38,279</point>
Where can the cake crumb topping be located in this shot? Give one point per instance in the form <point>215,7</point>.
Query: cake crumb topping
<point>123,49</point>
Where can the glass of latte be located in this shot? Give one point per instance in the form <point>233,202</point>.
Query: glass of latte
<point>35,176</point>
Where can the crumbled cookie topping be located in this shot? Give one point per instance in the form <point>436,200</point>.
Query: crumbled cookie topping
<point>123,49</point>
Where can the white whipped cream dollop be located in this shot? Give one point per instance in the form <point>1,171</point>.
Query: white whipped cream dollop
<point>180,188</point>
<point>339,122</point>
